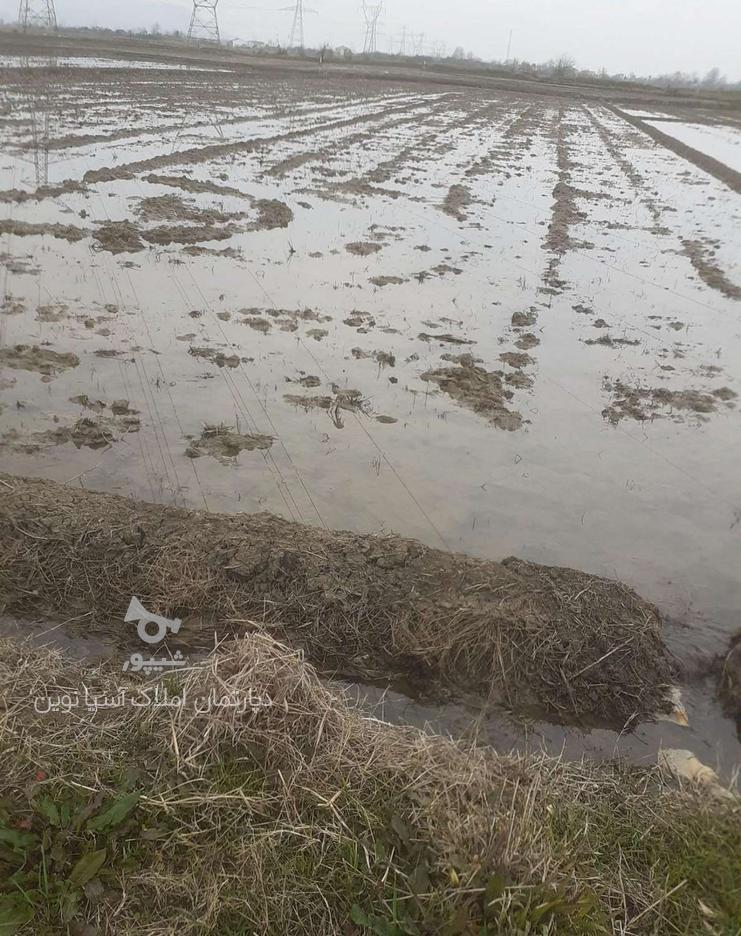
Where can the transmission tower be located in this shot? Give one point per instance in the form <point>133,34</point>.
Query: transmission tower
<point>297,29</point>
<point>403,42</point>
<point>39,13</point>
<point>371,14</point>
<point>38,95</point>
<point>204,23</point>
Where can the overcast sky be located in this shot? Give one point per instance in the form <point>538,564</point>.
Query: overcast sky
<point>642,36</point>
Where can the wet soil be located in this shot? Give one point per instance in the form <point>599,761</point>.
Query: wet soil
<point>701,257</point>
<point>216,357</point>
<point>642,403</point>
<point>575,217</point>
<point>66,232</point>
<point>729,686</point>
<point>225,443</point>
<point>33,358</point>
<point>363,248</point>
<point>119,237</point>
<point>348,401</point>
<point>456,202</point>
<point>480,390</point>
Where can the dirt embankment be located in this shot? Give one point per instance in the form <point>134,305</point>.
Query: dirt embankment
<point>559,640</point>
<point>731,177</point>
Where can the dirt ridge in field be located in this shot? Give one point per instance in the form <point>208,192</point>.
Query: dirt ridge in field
<point>726,174</point>
<point>575,645</point>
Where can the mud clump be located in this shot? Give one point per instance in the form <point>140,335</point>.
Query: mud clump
<point>33,358</point>
<point>52,312</point>
<point>382,281</point>
<point>607,341</point>
<point>93,433</point>
<point>445,338</point>
<point>384,358</point>
<point>565,215</point>
<point>527,341</point>
<point>86,432</point>
<point>310,381</point>
<point>12,306</point>
<point>642,403</point>
<point>225,443</point>
<point>188,233</point>
<point>20,266</point>
<point>575,645</point>
<point>118,237</point>
<point>516,359</point>
<point>349,401</point>
<point>272,213</point>
<point>196,186</point>
<point>456,201</point>
<point>233,253</point>
<point>117,407</point>
<point>363,248</point>
<point>257,322</point>
<point>524,319</point>
<point>175,208</point>
<point>61,231</point>
<point>216,357</point>
<point>477,389</point>
<point>700,256</point>
<point>362,321</point>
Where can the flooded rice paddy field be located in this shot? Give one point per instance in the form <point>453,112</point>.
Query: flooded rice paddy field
<point>501,324</point>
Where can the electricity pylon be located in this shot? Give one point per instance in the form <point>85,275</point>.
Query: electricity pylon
<point>297,29</point>
<point>403,42</point>
<point>296,39</point>
<point>40,13</point>
<point>371,14</point>
<point>36,92</point>
<point>204,23</point>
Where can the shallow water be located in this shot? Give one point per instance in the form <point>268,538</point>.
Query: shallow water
<point>722,143</point>
<point>654,502</point>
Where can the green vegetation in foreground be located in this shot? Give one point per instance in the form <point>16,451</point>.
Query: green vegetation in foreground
<point>305,818</point>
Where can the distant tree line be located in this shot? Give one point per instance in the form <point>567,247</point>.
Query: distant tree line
<point>563,68</point>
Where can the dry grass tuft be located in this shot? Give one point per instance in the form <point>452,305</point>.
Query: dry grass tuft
<point>304,817</point>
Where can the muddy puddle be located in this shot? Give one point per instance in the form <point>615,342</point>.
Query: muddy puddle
<point>502,325</point>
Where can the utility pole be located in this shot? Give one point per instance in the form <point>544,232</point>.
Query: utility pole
<point>40,13</point>
<point>204,23</point>
<point>509,47</point>
<point>371,14</point>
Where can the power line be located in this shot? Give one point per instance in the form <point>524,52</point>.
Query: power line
<point>204,23</point>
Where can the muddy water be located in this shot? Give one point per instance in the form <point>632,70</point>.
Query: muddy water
<point>619,261</point>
